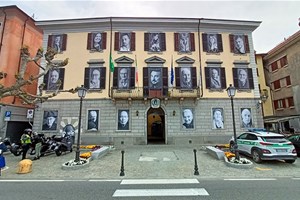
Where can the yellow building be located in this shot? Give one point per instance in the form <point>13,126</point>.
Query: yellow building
<point>169,81</point>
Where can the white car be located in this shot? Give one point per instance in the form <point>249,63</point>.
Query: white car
<point>263,145</point>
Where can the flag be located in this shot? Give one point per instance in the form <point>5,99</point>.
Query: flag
<point>136,71</point>
<point>111,64</point>
<point>172,72</point>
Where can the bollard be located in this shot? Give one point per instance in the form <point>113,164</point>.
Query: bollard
<point>122,164</point>
<point>196,166</point>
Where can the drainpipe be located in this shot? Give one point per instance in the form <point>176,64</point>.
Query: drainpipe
<point>200,58</point>
<point>1,41</point>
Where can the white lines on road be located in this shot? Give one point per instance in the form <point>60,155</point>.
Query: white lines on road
<point>161,192</point>
<point>296,178</point>
<point>250,179</point>
<point>23,180</point>
<point>99,180</point>
<point>158,181</point>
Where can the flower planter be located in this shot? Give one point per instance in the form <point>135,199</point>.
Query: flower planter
<point>247,164</point>
<point>72,165</point>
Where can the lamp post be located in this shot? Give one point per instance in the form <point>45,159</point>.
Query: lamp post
<point>81,94</point>
<point>231,93</point>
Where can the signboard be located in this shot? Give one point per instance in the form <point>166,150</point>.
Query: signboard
<point>155,103</point>
<point>7,116</point>
<point>29,113</point>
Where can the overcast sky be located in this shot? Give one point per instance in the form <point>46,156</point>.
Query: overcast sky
<point>279,19</point>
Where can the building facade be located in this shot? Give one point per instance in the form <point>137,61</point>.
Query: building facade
<point>282,67</point>
<point>17,29</point>
<point>151,80</point>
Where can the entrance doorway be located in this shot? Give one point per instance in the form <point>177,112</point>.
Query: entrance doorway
<point>156,126</point>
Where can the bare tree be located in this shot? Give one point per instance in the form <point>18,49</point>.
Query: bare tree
<point>18,89</point>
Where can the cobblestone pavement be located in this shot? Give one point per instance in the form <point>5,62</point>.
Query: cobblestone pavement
<point>148,161</point>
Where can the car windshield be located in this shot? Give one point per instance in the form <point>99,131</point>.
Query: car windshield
<point>274,139</point>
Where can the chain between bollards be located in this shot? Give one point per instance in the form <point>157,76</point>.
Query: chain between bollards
<point>122,164</point>
<point>196,166</point>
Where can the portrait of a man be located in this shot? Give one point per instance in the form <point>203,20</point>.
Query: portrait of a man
<point>215,81</point>
<point>187,118</point>
<point>155,81</point>
<point>185,77</point>
<point>243,81</point>
<point>50,120</point>
<point>125,42</point>
<point>246,118</point>
<point>96,41</point>
<point>217,118</point>
<point>123,120</point>
<point>57,43</point>
<point>212,43</point>
<point>123,82</point>
<point>53,79</point>
<point>154,43</point>
<point>184,42</point>
<point>239,44</point>
<point>95,75</point>
<point>93,118</point>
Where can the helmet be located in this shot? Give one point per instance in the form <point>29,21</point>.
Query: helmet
<point>28,131</point>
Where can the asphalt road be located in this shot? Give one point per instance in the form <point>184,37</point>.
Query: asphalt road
<point>146,189</point>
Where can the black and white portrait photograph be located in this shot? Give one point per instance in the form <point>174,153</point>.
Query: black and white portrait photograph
<point>96,41</point>
<point>53,77</point>
<point>215,79</point>
<point>94,82</point>
<point>50,120</point>
<point>243,81</point>
<point>69,126</point>
<point>239,44</point>
<point>212,43</point>
<point>155,80</point>
<point>124,77</point>
<point>217,118</point>
<point>246,118</point>
<point>93,120</point>
<point>123,119</point>
<point>125,41</point>
<point>57,43</point>
<point>155,42</point>
<point>187,118</point>
<point>184,42</point>
<point>185,78</point>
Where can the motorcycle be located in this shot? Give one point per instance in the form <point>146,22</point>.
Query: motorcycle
<point>64,144</point>
<point>5,144</point>
<point>49,145</point>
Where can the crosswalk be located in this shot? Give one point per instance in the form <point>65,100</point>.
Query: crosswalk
<point>159,192</point>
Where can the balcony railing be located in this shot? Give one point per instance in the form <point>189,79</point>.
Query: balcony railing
<point>141,93</point>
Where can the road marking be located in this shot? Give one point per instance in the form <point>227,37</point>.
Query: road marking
<point>296,178</point>
<point>161,192</point>
<point>251,179</point>
<point>263,169</point>
<point>31,180</point>
<point>99,180</point>
<point>158,181</point>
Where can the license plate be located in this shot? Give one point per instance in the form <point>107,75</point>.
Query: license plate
<point>281,150</point>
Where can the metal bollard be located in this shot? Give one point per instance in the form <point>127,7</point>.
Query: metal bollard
<point>196,166</point>
<point>122,164</point>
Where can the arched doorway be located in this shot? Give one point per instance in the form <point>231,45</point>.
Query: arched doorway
<point>156,126</point>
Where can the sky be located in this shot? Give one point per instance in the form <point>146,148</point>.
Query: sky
<point>279,19</point>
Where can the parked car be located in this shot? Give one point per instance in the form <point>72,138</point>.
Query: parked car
<point>264,145</point>
<point>295,139</point>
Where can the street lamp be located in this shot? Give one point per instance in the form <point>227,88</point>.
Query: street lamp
<point>81,93</point>
<point>231,93</point>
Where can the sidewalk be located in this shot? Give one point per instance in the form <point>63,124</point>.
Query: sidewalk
<point>148,161</point>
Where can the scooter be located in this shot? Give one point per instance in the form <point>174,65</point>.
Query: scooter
<point>65,144</point>
<point>5,145</point>
<point>48,147</point>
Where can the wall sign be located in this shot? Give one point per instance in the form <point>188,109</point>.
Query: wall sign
<point>155,103</point>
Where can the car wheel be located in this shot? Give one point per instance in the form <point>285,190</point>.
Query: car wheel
<point>231,147</point>
<point>256,156</point>
<point>290,161</point>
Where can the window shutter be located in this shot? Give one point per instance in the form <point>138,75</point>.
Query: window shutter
<point>102,78</point>
<point>146,42</point>
<point>220,43</point>
<point>204,41</point>
<point>231,40</point>
<point>250,79</point>
<point>223,77</point>
<point>288,81</point>
<point>163,41</point>
<point>132,41</point>
<point>283,103</point>
<point>145,81</point>
<point>165,80</point>
<point>64,42</point>
<point>132,77</point>
<point>194,77</point>
<point>50,40</point>
<point>275,104</point>
<point>115,77</point>
<point>87,77</point>
<point>177,77</point>
<point>117,41</point>
<point>104,40</point>
<point>89,39</point>
<point>247,44</point>
<point>46,81</point>
<point>235,77</point>
<point>207,77</point>
<point>62,77</point>
<point>176,42</point>
<point>192,38</point>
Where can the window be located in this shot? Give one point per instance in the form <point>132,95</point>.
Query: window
<point>94,78</point>
<point>243,78</point>
<point>155,81</point>
<point>274,66</point>
<point>53,78</point>
<point>212,43</point>
<point>124,78</point>
<point>186,77</point>
<point>124,42</point>
<point>155,42</point>
<point>239,44</point>
<point>276,85</point>
<point>184,42</point>
<point>288,81</point>
<point>290,102</point>
<point>279,104</point>
<point>58,42</point>
<point>96,41</point>
<point>215,77</point>
<point>283,61</point>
